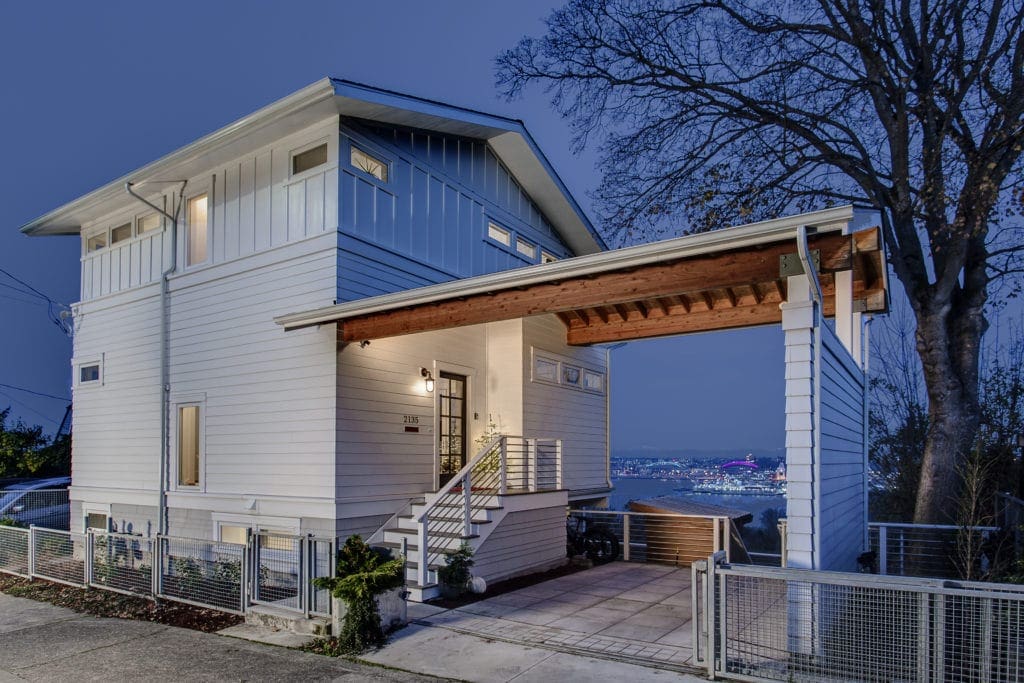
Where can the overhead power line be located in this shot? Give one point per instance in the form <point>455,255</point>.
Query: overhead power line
<point>36,393</point>
<point>54,309</point>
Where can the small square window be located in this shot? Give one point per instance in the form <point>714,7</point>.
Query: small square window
<point>97,242</point>
<point>545,370</point>
<point>571,376</point>
<point>593,381</point>
<point>526,249</point>
<point>148,223</point>
<point>89,373</point>
<point>545,257</point>
<point>367,163</point>
<point>121,233</point>
<point>499,234</point>
<point>311,158</point>
<point>97,520</point>
<point>234,534</point>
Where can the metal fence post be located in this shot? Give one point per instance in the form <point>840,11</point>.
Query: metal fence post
<point>503,457</point>
<point>90,547</point>
<point>156,565</point>
<point>710,614</point>
<point>467,504</point>
<point>305,574</point>
<point>883,550</point>
<point>31,552</point>
<point>244,586</point>
<point>421,568</point>
<point>923,637</point>
<point>625,538</point>
<point>939,640</point>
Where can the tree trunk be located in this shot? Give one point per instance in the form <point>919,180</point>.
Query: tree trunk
<point>948,341</point>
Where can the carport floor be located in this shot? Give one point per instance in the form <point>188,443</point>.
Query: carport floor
<point>632,612</point>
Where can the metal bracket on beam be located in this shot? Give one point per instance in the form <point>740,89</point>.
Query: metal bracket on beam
<point>789,264</point>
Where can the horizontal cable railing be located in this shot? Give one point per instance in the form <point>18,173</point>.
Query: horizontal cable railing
<point>760,623</point>
<point>929,550</point>
<point>663,538</point>
<point>48,508</point>
<point>506,464</point>
<point>270,569</point>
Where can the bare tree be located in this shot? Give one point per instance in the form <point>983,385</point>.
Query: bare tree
<point>713,111</point>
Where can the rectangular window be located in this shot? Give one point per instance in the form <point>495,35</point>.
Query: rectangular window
<point>97,520</point>
<point>499,234</point>
<point>526,249</point>
<point>234,534</point>
<point>121,233</point>
<point>545,370</point>
<point>367,163</point>
<point>270,541</point>
<point>188,445</point>
<point>97,242</point>
<point>89,373</point>
<point>571,376</point>
<point>148,223</point>
<point>311,158</point>
<point>593,381</point>
<point>198,229</point>
<point>545,257</point>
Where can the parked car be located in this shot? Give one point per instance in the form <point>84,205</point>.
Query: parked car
<point>42,502</point>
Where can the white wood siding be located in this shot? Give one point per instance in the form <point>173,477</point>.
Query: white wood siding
<point>842,456</point>
<point>578,417</point>
<point>116,423</point>
<point>524,542</point>
<point>255,205</point>
<point>268,394</point>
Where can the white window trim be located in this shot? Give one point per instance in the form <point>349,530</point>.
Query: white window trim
<point>187,236</point>
<point>563,362</point>
<point>537,355</point>
<point>96,360</point>
<point>331,161</point>
<point>372,151</point>
<point>94,509</point>
<point>177,403</point>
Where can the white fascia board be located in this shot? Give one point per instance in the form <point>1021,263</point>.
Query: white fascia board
<point>305,107</point>
<point>753,234</point>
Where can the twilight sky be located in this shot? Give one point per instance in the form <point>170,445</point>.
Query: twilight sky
<point>94,90</point>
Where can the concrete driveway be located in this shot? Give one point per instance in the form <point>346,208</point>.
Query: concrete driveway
<point>626,613</point>
<point>40,642</point>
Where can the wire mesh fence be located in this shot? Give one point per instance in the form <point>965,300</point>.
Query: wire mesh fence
<point>14,550</point>
<point>200,572</point>
<point>122,562</point>
<point>321,564</point>
<point>278,562</point>
<point>800,625</point>
<point>58,555</point>
<point>40,507</point>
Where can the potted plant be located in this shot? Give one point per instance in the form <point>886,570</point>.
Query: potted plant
<point>369,596</point>
<point>454,576</point>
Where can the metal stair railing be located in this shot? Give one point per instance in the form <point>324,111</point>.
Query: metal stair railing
<point>505,464</point>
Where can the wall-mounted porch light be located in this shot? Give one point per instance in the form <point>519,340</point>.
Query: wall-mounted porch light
<point>428,379</point>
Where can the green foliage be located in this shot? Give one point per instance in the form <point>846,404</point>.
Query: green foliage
<point>362,574</point>
<point>188,573</point>
<point>455,573</point>
<point>7,521</point>
<point>26,452</point>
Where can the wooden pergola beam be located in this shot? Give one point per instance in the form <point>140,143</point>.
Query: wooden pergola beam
<point>615,290</point>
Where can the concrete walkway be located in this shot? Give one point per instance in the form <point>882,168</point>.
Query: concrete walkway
<point>40,642</point>
<point>621,620</point>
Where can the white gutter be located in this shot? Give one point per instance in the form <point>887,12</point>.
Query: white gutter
<point>754,234</point>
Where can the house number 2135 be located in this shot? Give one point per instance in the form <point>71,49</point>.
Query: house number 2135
<point>411,419</point>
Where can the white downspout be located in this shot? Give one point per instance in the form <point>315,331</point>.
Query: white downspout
<point>812,276</point>
<point>865,353</point>
<point>165,371</point>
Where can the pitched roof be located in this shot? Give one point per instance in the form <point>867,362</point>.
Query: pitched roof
<point>508,138</point>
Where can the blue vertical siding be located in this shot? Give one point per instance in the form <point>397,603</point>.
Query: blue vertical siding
<point>428,222</point>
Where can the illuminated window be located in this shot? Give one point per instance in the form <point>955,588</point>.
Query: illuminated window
<point>499,234</point>
<point>188,445</point>
<point>198,230</point>
<point>97,520</point>
<point>526,249</point>
<point>545,257</point>
<point>148,223</point>
<point>234,534</point>
<point>311,158</point>
<point>367,163</point>
<point>121,233</point>
<point>97,242</point>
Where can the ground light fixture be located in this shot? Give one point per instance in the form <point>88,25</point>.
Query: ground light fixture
<point>428,379</point>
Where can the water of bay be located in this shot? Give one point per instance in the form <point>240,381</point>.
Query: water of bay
<point>635,489</point>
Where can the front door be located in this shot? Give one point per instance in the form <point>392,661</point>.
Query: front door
<point>451,449</point>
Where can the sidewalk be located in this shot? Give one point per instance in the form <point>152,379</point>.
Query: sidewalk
<point>40,642</point>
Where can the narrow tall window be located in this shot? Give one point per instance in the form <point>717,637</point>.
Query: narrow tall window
<point>188,445</point>
<point>198,229</point>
